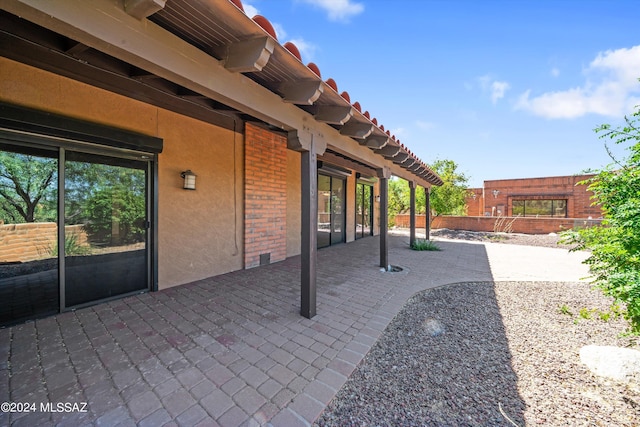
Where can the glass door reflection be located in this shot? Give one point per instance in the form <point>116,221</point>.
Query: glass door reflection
<point>331,215</point>
<point>28,233</point>
<point>105,227</point>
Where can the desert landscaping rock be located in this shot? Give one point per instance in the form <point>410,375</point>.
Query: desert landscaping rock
<point>490,354</point>
<point>622,364</point>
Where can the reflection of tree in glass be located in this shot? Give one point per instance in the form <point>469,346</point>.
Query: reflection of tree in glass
<point>27,188</point>
<point>109,200</point>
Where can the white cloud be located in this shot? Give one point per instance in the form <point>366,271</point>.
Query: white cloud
<point>280,32</point>
<point>498,89</point>
<point>338,10</point>
<point>307,50</point>
<point>611,88</point>
<point>555,72</point>
<point>250,10</point>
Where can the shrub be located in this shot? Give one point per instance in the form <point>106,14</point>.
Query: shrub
<point>425,245</point>
<point>615,247</point>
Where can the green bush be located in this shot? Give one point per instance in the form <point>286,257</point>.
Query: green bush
<point>425,245</point>
<point>615,247</point>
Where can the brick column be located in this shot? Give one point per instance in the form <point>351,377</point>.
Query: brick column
<point>265,188</point>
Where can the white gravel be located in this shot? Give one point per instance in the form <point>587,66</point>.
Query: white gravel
<point>490,354</point>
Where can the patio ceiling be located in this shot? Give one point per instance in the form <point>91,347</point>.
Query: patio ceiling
<point>241,44</point>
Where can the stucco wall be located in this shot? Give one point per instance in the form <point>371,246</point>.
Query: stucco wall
<point>200,232</point>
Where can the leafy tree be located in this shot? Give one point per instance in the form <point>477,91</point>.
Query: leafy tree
<point>100,196</point>
<point>27,188</point>
<point>448,199</point>
<point>119,205</point>
<point>398,196</point>
<point>615,248</point>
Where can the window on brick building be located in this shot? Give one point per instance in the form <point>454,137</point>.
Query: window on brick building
<point>543,208</point>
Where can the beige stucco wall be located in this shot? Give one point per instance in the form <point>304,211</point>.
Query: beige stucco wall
<point>200,232</point>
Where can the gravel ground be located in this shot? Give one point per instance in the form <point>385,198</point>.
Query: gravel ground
<point>473,354</point>
<point>546,240</point>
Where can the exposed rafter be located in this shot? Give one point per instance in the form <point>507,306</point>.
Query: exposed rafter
<point>376,142</point>
<point>141,9</point>
<point>334,115</point>
<point>302,92</point>
<point>249,55</point>
<point>404,160</point>
<point>356,129</point>
<point>389,151</point>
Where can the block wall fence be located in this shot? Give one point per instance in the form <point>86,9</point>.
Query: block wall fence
<point>33,241</point>
<point>492,223</point>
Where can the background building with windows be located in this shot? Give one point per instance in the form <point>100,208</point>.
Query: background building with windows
<point>528,205</point>
<point>547,197</point>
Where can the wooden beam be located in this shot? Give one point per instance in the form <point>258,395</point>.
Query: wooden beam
<point>427,214</point>
<point>249,55</point>
<point>412,213</point>
<point>141,9</point>
<point>389,151</point>
<point>335,115</point>
<point>304,92</point>
<point>384,174</point>
<point>376,142</point>
<point>309,231</point>
<point>356,129</point>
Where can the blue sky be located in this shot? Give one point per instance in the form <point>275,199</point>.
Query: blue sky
<point>506,89</point>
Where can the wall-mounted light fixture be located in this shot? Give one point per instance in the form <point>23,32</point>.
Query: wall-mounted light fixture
<point>378,198</point>
<point>189,180</point>
<point>495,193</point>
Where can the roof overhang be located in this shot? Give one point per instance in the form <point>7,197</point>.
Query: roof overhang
<point>211,56</point>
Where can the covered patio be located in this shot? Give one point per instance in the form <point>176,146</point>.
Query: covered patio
<point>232,349</point>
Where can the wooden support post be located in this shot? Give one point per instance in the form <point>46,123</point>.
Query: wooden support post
<point>384,175</point>
<point>412,213</point>
<point>309,181</point>
<point>427,213</point>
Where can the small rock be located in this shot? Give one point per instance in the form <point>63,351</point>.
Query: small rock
<point>433,327</point>
<point>622,364</point>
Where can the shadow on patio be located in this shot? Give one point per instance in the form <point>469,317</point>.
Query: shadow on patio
<point>232,349</point>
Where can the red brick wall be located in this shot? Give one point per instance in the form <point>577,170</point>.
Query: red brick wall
<point>474,202</point>
<point>514,224</point>
<point>502,224</point>
<point>265,197</point>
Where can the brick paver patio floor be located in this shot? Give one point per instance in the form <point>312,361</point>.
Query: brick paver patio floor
<point>229,350</point>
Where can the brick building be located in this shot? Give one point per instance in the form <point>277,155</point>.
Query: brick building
<point>548,197</point>
<point>185,141</point>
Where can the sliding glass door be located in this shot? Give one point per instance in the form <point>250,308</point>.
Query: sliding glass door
<point>105,219</point>
<point>28,233</point>
<point>364,207</point>
<point>331,212</point>
<point>74,228</point>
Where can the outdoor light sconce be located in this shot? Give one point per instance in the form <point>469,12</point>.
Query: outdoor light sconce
<point>378,198</point>
<point>189,180</point>
<point>495,193</point>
